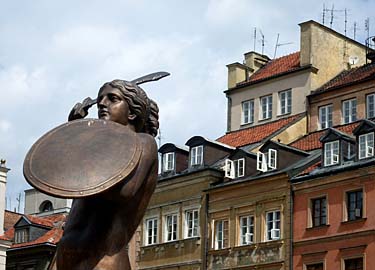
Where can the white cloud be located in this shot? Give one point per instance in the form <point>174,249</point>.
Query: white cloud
<point>4,125</point>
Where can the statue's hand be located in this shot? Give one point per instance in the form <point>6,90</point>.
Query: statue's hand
<point>80,110</point>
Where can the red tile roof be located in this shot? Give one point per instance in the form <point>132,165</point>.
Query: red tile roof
<point>256,134</point>
<point>311,141</point>
<point>310,169</point>
<point>53,235</point>
<point>275,67</point>
<point>10,218</point>
<point>348,77</point>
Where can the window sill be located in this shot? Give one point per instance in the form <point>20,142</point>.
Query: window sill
<point>246,125</point>
<point>179,242</point>
<point>325,226</point>
<point>358,220</point>
<point>285,114</point>
<point>264,119</point>
<point>223,251</point>
<point>248,246</point>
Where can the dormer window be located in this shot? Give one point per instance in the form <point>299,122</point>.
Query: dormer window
<point>234,168</point>
<point>331,153</point>
<point>366,145</point>
<point>168,162</point>
<point>267,161</point>
<point>21,236</point>
<point>196,155</point>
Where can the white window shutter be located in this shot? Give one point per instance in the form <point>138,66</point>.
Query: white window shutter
<point>272,158</point>
<point>261,162</point>
<point>229,168</point>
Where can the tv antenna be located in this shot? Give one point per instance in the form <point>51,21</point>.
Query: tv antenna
<point>255,38</point>
<point>262,40</point>
<point>279,45</point>
<point>367,27</point>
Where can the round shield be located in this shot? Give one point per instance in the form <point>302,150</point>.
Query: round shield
<point>82,158</point>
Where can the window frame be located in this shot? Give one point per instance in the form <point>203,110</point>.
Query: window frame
<point>350,210</point>
<point>332,153</point>
<point>247,113</point>
<point>351,110</point>
<point>170,230</point>
<point>221,242</point>
<point>195,224</point>
<point>274,223</point>
<point>328,116</point>
<point>372,95</point>
<point>320,216</point>
<point>21,235</point>
<point>307,265</point>
<point>168,161</point>
<point>266,114</point>
<point>285,102</point>
<point>367,147</point>
<point>248,228</point>
<point>196,155</point>
<point>345,260</point>
<point>155,231</point>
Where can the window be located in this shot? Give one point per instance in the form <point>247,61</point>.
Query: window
<point>370,105</point>
<point>248,112</point>
<point>331,153</point>
<point>266,106</point>
<point>354,204</point>
<point>325,116</point>
<point>273,225</point>
<point>285,100</point>
<point>168,162</point>
<point>46,206</point>
<point>349,111</point>
<point>319,212</point>
<point>235,168</point>
<point>196,155</point>
<point>221,234</point>
<point>21,236</point>
<point>267,161</point>
<point>151,231</point>
<point>354,264</point>
<point>191,223</point>
<point>246,230</point>
<point>316,266</point>
<point>170,228</point>
<point>366,145</point>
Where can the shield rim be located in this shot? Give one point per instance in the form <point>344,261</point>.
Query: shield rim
<point>48,188</point>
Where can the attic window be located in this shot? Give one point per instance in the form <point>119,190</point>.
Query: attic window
<point>267,161</point>
<point>168,162</point>
<point>21,236</point>
<point>46,206</point>
<point>366,145</point>
<point>196,155</point>
<point>234,168</point>
<point>331,153</point>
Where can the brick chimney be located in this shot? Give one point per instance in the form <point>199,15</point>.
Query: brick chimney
<point>3,180</point>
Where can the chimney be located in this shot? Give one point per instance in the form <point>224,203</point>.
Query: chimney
<point>236,73</point>
<point>255,61</point>
<point>3,180</point>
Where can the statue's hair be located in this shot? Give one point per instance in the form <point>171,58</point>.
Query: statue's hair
<point>145,109</point>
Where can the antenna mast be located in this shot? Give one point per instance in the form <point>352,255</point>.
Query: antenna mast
<point>255,38</point>
<point>261,33</point>
<point>279,44</point>
<point>367,27</point>
<point>324,12</point>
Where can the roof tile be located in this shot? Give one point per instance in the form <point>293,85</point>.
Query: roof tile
<point>256,134</point>
<point>311,141</point>
<point>275,67</point>
<point>347,77</point>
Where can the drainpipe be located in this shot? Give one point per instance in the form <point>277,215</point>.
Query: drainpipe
<point>291,227</point>
<point>204,262</point>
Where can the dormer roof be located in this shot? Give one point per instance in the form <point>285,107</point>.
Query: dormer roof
<point>198,140</point>
<point>332,134</point>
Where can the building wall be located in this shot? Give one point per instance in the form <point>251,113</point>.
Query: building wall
<point>336,97</point>
<point>339,239</point>
<point>34,198</point>
<point>254,197</point>
<point>299,83</point>
<point>328,51</point>
<point>176,195</point>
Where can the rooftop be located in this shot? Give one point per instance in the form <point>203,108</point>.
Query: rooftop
<point>276,67</point>
<point>311,141</point>
<point>257,133</point>
<point>349,77</point>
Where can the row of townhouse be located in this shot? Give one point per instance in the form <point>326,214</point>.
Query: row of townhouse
<point>289,186</point>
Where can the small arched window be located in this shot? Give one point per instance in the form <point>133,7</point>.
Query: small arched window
<point>46,206</point>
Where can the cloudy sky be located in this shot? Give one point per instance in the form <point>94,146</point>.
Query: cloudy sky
<point>55,53</point>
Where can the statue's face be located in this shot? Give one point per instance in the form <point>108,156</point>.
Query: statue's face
<point>113,106</point>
